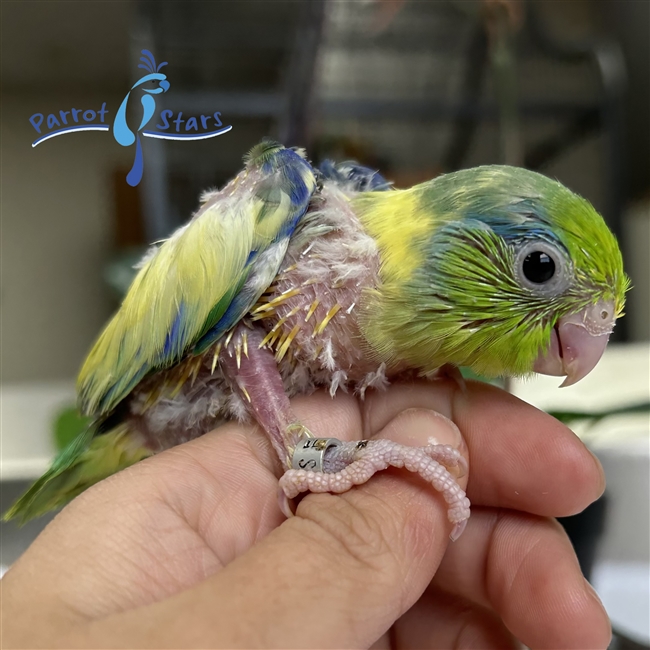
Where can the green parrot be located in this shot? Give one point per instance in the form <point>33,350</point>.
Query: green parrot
<point>292,278</point>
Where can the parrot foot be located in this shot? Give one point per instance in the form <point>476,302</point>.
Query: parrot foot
<point>345,464</point>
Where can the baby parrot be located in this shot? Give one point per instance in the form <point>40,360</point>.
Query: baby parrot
<point>291,278</point>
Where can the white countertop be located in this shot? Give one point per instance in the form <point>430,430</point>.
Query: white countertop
<point>27,414</point>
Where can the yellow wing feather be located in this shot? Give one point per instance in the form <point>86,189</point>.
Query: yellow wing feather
<point>191,271</point>
<point>188,284</point>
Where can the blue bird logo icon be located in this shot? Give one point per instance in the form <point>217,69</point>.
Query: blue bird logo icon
<point>121,131</point>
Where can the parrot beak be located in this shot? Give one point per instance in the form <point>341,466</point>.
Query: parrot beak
<point>577,343</point>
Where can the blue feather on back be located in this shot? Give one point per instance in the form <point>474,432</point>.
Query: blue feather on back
<point>353,176</point>
<point>173,344</point>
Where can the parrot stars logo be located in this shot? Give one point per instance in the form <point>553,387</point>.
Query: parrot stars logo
<point>121,131</point>
<point>128,129</point>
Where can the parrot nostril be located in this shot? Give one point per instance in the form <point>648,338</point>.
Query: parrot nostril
<point>604,314</point>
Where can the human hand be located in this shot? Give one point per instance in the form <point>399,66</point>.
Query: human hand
<point>189,548</point>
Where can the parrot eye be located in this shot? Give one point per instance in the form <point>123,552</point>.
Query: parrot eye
<point>538,267</point>
<point>542,268</point>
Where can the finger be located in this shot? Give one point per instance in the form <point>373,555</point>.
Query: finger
<point>520,457</point>
<point>337,575</point>
<point>524,568</point>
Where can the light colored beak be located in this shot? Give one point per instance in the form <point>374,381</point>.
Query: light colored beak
<point>578,342</point>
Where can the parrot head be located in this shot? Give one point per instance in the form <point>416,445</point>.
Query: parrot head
<point>499,269</point>
<point>157,83</point>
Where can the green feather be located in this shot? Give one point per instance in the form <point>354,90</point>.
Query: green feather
<point>85,461</point>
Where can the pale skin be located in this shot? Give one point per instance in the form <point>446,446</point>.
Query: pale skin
<point>189,548</point>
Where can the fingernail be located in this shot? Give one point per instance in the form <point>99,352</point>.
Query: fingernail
<point>418,427</point>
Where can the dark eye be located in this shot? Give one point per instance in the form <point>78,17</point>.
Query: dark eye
<point>543,268</point>
<point>538,267</point>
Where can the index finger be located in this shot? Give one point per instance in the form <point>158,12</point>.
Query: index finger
<point>520,457</point>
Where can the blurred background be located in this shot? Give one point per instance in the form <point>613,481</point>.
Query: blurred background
<point>413,88</point>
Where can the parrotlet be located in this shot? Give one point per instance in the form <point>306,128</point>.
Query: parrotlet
<point>291,278</point>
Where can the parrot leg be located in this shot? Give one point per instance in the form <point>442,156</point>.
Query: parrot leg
<point>333,466</point>
<point>253,372</point>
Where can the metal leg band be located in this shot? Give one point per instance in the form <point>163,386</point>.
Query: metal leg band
<point>310,452</point>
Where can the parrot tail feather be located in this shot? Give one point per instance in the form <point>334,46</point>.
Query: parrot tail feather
<point>88,459</point>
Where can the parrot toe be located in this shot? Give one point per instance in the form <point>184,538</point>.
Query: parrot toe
<point>353,463</point>
<point>285,504</point>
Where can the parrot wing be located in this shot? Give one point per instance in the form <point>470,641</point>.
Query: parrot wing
<point>203,279</point>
